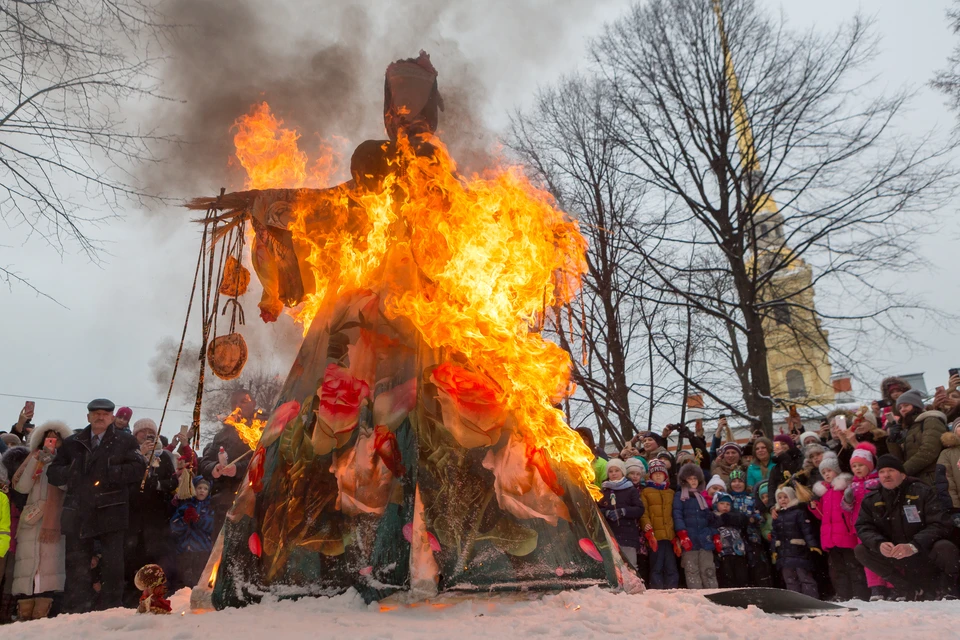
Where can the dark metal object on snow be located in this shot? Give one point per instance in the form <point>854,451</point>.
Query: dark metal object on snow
<point>778,601</point>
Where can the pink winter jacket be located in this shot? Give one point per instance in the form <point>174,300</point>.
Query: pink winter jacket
<point>838,524</point>
<point>857,491</point>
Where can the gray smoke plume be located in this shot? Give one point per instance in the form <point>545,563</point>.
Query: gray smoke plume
<point>320,67</point>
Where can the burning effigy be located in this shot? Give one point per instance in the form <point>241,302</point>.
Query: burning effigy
<point>417,446</point>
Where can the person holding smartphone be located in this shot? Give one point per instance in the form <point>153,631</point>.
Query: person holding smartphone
<point>39,570</point>
<point>24,425</point>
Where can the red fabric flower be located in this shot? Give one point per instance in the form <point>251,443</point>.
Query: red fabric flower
<point>471,404</point>
<point>255,470</point>
<point>386,448</point>
<point>341,396</point>
<point>279,419</point>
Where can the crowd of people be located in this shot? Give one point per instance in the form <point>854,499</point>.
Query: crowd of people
<point>866,507</point>
<point>81,511</point>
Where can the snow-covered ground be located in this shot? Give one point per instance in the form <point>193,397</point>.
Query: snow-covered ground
<point>584,615</point>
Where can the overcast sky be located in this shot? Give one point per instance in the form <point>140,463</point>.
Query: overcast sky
<point>113,314</point>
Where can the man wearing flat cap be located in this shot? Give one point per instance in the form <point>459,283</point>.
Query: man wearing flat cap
<point>98,466</point>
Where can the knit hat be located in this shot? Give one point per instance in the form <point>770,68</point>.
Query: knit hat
<point>737,474</point>
<point>730,446</point>
<point>721,496</point>
<point>784,439</point>
<point>809,435</point>
<point>124,413</point>
<point>655,466</point>
<point>791,495</point>
<point>912,397</point>
<point>717,481</point>
<point>871,418</point>
<point>198,480</point>
<point>830,461</point>
<point>865,453</point>
<point>890,461</point>
<point>144,423</point>
<point>635,464</point>
<point>616,463</point>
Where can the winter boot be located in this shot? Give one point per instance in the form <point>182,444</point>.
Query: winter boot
<point>878,593</point>
<point>41,608</point>
<point>25,609</point>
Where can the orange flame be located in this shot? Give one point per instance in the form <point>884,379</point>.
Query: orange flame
<point>249,432</point>
<point>496,252</point>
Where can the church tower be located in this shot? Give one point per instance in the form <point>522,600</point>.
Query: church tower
<point>798,352</point>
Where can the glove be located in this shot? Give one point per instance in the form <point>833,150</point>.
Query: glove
<point>677,551</point>
<point>717,544</point>
<point>651,540</point>
<point>190,515</point>
<point>817,551</point>
<point>610,514</point>
<point>685,543</point>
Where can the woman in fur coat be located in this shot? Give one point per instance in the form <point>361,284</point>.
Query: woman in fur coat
<point>39,571</point>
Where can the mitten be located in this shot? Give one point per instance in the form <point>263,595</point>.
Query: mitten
<point>685,543</point>
<point>651,539</point>
<point>190,515</point>
<point>677,551</point>
<point>717,544</point>
<point>610,514</point>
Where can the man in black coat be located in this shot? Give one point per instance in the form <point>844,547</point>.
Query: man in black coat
<point>98,466</point>
<point>904,531</point>
<point>788,460</point>
<point>225,479</point>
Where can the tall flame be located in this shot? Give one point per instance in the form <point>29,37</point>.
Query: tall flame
<point>249,431</point>
<point>495,249</point>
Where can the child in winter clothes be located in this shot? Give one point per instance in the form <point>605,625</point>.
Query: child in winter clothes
<point>635,474</point>
<point>192,527</point>
<point>838,534</point>
<point>745,503</point>
<point>716,484</point>
<point>696,529</point>
<point>622,508</point>
<point>795,543</point>
<point>657,523</point>
<point>734,571</point>
<point>863,461</point>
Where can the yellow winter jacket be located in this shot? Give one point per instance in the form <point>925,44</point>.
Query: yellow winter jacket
<point>4,525</point>
<point>658,512</point>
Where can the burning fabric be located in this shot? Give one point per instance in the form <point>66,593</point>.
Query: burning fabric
<point>416,445</point>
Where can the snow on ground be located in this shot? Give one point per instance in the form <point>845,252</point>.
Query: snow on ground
<point>583,615</point>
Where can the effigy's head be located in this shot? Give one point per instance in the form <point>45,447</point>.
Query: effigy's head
<point>411,99</point>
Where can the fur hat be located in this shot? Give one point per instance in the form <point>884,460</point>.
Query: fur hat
<point>784,439</point>
<point>730,446</point>
<point>655,466</point>
<point>812,449</point>
<point>616,463</point>
<point>690,470</point>
<point>716,481</point>
<point>10,439</point>
<point>830,461</point>
<point>13,457</point>
<point>891,382</point>
<point>144,423</point>
<point>791,495</point>
<point>633,464</point>
<point>865,453</point>
<point>912,397</point>
<point>809,435</point>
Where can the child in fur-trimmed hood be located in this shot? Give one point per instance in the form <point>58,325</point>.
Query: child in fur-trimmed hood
<point>838,534</point>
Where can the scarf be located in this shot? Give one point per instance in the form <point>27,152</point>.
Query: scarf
<point>685,495</point>
<point>660,486</point>
<point>153,601</point>
<point>619,485</point>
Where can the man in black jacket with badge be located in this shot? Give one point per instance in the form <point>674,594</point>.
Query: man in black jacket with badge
<point>904,531</point>
<point>98,466</point>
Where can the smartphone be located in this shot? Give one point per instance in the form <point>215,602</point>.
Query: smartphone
<point>50,444</point>
<point>954,372</point>
<point>184,430</point>
<point>841,422</point>
<point>29,406</point>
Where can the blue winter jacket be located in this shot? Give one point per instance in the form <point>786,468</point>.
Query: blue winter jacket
<point>196,536</point>
<point>700,524</point>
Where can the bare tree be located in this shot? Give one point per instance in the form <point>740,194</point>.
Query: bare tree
<point>564,139</point>
<point>947,80</point>
<point>792,125</point>
<point>69,72</point>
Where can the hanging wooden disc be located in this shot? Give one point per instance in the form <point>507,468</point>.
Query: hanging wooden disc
<point>226,356</point>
